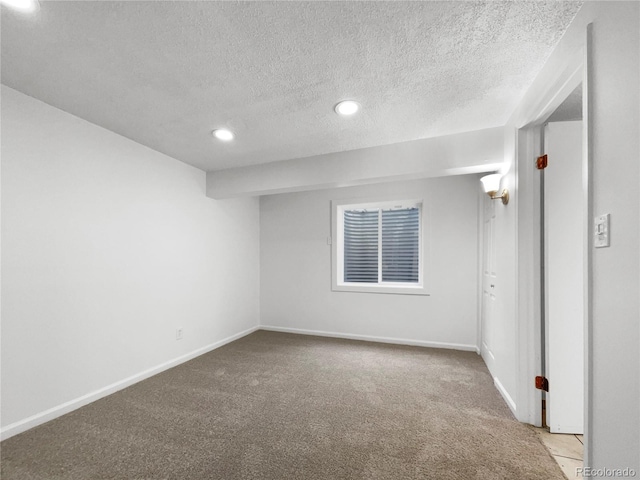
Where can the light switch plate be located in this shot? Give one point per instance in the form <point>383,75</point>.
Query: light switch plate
<point>601,231</point>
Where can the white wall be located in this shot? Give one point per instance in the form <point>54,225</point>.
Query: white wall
<point>613,397</point>
<point>615,400</point>
<point>296,267</point>
<point>107,248</point>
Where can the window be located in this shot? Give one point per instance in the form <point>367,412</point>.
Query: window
<point>378,247</point>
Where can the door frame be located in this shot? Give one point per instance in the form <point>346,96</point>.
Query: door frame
<point>529,145</point>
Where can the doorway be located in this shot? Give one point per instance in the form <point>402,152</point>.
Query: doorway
<point>529,145</point>
<point>562,277</point>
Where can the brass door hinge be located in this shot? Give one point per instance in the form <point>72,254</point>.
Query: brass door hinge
<point>542,383</point>
<point>541,162</point>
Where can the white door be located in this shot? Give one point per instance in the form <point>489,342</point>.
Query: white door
<point>488,280</point>
<point>564,276</point>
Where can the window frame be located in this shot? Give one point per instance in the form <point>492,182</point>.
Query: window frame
<point>337,248</point>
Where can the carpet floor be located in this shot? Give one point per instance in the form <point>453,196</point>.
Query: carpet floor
<point>281,406</point>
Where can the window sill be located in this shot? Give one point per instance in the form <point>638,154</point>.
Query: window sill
<point>387,289</point>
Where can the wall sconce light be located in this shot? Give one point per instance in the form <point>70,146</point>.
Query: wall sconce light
<point>491,185</point>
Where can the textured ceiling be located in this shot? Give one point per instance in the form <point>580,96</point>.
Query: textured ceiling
<point>166,73</point>
<point>570,109</point>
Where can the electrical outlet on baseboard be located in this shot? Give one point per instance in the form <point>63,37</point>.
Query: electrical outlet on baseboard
<point>179,333</point>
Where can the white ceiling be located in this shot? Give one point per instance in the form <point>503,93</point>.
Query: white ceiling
<point>166,73</point>
<point>570,110</point>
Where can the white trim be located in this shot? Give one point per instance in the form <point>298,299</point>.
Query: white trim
<point>587,169</point>
<point>480,266</point>
<point>506,396</point>
<point>388,288</point>
<point>370,338</point>
<point>59,410</point>
<point>558,90</point>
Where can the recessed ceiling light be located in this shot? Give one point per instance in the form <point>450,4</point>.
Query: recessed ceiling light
<point>25,6</point>
<point>223,134</point>
<point>347,107</point>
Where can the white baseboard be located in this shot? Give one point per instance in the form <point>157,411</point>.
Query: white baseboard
<point>370,338</point>
<point>59,410</point>
<point>506,396</point>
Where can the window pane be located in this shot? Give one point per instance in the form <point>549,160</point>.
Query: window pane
<point>361,246</point>
<point>400,245</point>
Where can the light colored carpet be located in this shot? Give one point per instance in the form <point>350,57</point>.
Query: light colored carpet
<point>282,406</point>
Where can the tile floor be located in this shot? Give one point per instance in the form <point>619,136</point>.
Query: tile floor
<point>567,450</point>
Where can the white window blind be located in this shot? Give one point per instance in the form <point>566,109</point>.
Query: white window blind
<point>400,245</point>
<point>381,245</point>
<point>361,241</point>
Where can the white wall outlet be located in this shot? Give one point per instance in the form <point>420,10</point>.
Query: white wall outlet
<point>179,334</point>
<point>601,231</point>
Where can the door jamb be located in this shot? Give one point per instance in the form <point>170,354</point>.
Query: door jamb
<point>528,148</point>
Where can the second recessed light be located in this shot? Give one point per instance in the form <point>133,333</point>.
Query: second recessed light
<point>347,108</point>
<point>223,134</point>
<point>24,6</point>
